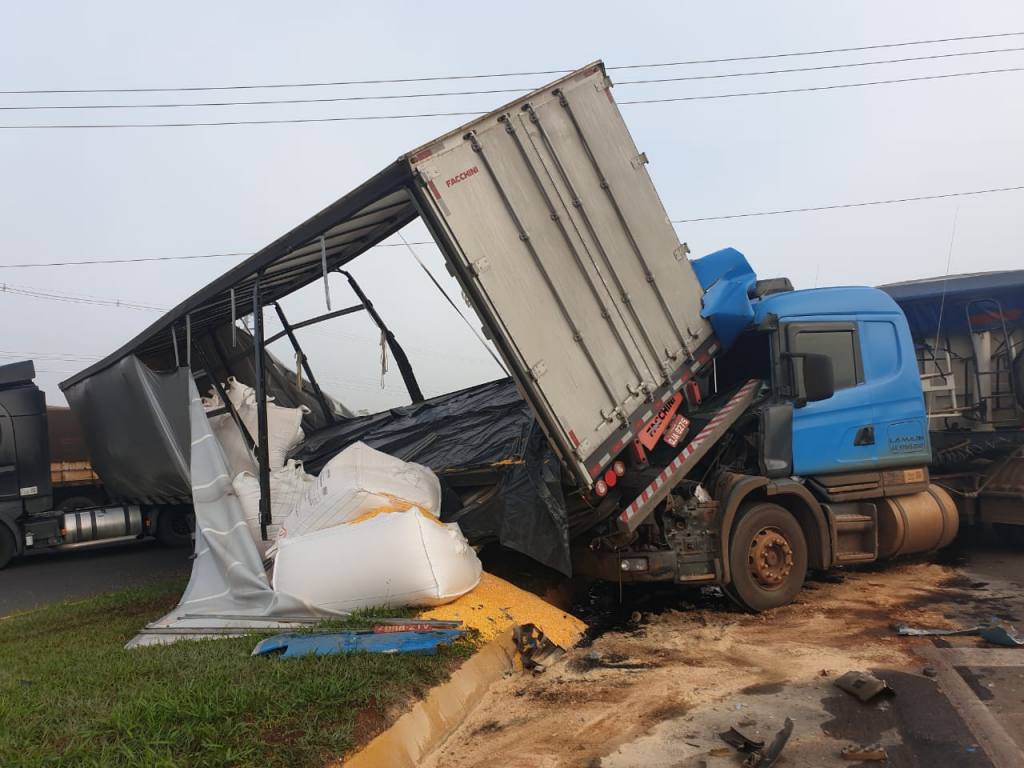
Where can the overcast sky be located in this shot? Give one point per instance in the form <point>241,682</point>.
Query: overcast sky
<point>126,193</point>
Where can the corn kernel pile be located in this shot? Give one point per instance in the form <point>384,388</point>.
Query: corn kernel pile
<point>495,605</point>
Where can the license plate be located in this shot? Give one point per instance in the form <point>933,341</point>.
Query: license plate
<point>677,430</point>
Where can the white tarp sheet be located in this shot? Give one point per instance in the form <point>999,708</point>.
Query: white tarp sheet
<point>228,587</point>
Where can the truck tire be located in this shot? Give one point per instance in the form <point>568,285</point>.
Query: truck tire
<point>8,546</point>
<point>174,528</point>
<point>767,557</point>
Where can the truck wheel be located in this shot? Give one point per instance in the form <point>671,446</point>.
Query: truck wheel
<point>8,546</point>
<point>174,528</point>
<point>768,558</point>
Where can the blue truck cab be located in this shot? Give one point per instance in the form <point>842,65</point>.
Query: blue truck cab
<point>808,447</point>
<point>875,417</point>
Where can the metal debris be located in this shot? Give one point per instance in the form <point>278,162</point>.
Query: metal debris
<point>995,633</point>
<point>863,685</point>
<point>767,758</point>
<point>535,649</point>
<point>873,754</point>
<point>736,738</point>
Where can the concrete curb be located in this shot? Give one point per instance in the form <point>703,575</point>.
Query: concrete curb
<point>426,726</point>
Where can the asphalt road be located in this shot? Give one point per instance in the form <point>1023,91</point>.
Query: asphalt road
<point>46,577</point>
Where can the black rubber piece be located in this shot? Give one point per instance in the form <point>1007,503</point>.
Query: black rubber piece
<point>744,588</point>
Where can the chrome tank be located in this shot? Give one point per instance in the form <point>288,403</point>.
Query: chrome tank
<point>101,523</point>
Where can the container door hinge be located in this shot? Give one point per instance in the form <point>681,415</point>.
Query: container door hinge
<point>681,252</point>
<point>639,161</point>
<point>538,370</point>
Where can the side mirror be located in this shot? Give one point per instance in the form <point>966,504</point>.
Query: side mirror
<point>818,379</point>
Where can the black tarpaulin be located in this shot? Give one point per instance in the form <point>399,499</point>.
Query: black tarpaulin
<point>483,439</point>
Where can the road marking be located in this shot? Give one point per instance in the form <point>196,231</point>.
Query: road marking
<point>992,737</point>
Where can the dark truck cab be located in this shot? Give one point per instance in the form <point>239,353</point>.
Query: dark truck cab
<point>36,515</point>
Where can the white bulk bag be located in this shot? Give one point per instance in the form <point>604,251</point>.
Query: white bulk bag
<point>359,480</point>
<point>284,426</point>
<point>287,485</point>
<point>237,391</point>
<point>239,457</point>
<point>387,560</point>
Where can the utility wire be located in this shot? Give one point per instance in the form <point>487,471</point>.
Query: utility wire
<point>816,87</point>
<point>850,205</point>
<point>346,118</point>
<point>674,221</point>
<point>435,78</point>
<point>436,94</point>
<point>35,293</point>
<point>817,68</point>
<point>93,262</point>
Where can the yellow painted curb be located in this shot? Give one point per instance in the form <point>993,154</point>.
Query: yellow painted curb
<point>426,726</point>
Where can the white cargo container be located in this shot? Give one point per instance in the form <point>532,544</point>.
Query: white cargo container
<point>551,224</point>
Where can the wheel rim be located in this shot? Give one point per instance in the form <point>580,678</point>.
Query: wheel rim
<point>770,558</point>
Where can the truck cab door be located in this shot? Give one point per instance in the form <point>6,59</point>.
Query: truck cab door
<point>837,434</point>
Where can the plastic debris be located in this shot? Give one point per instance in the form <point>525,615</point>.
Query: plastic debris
<point>995,633</point>
<point>863,685</point>
<point>327,643</point>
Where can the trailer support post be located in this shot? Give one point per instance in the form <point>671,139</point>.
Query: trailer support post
<point>262,449</point>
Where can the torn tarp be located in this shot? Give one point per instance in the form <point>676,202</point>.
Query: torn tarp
<point>228,591</point>
<point>484,440</point>
<point>136,424</point>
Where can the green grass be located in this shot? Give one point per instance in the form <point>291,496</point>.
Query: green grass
<point>71,695</point>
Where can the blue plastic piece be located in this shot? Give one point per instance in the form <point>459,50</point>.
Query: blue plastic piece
<point>325,643</point>
<point>727,279</point>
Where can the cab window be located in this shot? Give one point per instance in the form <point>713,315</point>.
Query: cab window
<point>836,340</point>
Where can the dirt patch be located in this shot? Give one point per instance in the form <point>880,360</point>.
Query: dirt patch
<point>369,721</point>
<point>661,660</point>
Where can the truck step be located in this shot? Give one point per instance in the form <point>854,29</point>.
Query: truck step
<point>854,557</point>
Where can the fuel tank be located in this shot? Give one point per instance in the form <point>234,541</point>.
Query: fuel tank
<point>918,522</point>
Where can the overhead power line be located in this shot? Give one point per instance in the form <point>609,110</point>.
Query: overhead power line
<point>93,262</point>
<point>491,91</point>
<point>818,68</point>
<point>663,100</point>
<point>674,221</point>
<point>36,293</point>
<point>810,88</point>
<point>435,78</point>
<point>850,205</point>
